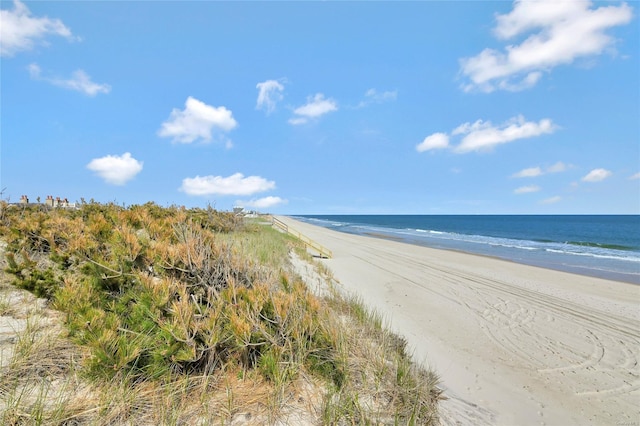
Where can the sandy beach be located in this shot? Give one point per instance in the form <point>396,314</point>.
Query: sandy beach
<point>513,344</point>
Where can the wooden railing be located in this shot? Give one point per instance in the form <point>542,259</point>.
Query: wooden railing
<point>322,251</point>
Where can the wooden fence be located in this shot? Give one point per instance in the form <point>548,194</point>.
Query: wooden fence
<point>322,251</point>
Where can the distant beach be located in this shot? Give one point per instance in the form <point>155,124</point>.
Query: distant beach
<point>513,343</point>
<point>604,246</point>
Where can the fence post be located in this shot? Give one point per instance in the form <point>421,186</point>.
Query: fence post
<point>324,252</point>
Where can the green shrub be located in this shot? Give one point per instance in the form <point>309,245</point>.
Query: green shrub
<point>158,294</point>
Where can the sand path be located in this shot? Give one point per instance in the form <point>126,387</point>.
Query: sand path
<point>513,344</point>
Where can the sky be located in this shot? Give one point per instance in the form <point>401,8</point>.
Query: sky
<point>427,107</point>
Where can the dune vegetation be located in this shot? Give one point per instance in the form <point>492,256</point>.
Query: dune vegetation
<point>154,315</point>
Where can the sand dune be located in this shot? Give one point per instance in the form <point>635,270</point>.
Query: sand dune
<point>513,344</point>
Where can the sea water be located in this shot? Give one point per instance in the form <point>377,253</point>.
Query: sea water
<point>600,245</point>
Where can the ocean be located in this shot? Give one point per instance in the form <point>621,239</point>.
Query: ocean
<point>599,245</point>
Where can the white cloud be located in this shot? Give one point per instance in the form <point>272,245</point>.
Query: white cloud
<point>263,203</point>
<point>315,107</point>
<point>597,175</point>
<point>79,81</point>
<point>434,141</point>
<point>634,177</point>
<point>385,96</point>
<point>483,136</point>
<point>20,31</point>
<point>373,96</point>
<point>116,170</point>
<point>197,120</point>
<point>297,121</point>
<point>559,32</point>
<point>552,200</point>
<point>530,172</point>
<point>235,184</point>
<point>527,189</point>
<point>269,93</point>
<point>34,70</point>
<point>557,168</point>
<point>537,171</point>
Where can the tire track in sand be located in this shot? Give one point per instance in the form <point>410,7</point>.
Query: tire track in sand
<point>586,351</point>
<point>541,346</point>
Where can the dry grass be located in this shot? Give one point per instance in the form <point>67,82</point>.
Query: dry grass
<point>384,386</point>
<point>167,316</point>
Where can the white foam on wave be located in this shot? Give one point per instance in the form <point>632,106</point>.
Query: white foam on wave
<point>596,255</point>
<point>548,253</point>
<point>427,231</point>
<point>527,245</point>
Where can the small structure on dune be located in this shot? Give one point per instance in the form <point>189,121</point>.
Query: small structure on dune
<point>49,202</point>
<point>242,212</point>
<point>63,203</point>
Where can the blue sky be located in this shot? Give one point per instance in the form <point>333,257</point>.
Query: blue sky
<point>325,107</point>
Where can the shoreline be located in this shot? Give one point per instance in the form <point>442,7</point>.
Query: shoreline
<point>605,275</point>
<point>557,258</point>
<point>513,343</point>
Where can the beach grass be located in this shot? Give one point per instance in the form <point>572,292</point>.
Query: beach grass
<point>170,316</point>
